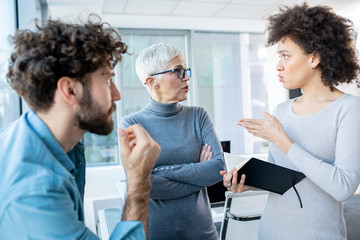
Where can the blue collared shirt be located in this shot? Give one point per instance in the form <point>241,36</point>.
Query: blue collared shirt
<point>41,187</point>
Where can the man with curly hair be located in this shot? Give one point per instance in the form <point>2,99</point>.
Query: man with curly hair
<point>64,72</point>
<point>317,133</point>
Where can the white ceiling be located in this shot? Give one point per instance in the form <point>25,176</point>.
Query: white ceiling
<point>158,13</point>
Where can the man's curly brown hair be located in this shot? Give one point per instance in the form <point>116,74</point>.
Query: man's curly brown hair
<point>319,30</point>
<point>58,49</point>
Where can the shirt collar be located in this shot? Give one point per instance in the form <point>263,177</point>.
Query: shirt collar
<point>49,140</point>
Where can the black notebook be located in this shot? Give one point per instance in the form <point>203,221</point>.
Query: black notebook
<point>262,174</point>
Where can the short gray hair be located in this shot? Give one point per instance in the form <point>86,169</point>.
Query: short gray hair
<point>155,59</point>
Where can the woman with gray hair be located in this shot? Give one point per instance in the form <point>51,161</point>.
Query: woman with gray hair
<point>191,156</point>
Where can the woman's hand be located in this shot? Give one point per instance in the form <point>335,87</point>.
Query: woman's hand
<point>269,129</point>
<point>206,153</point>
<point>230,182</point>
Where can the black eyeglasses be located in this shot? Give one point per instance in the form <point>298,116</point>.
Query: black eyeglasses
<point>180,72</point>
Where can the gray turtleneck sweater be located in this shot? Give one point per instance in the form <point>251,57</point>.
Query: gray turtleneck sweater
<point>179,207</point>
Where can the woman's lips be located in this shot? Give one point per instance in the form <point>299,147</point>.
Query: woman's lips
<point>280,78</point>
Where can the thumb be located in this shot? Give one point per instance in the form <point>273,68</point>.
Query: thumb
<point>222,173</point>
<point>124,141</point>
<point>268,116</point>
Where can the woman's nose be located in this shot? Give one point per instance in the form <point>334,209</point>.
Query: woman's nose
<point>279,67</point>
<point>186,77</point>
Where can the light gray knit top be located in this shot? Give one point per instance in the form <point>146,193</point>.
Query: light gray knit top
<point>327,150</point>
<point>179,207</point>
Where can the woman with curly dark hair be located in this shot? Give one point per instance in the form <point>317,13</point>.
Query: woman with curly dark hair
<point>317,133</point>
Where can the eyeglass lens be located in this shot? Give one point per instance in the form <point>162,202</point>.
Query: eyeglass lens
<point>181,72</point>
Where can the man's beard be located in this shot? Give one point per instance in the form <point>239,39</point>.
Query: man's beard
<point>92,118</point>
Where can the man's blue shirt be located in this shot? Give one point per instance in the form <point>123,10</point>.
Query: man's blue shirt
<point>42,187</point>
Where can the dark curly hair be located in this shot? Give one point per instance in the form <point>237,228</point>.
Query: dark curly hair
<point>319,30</point>
<point>60,49</point>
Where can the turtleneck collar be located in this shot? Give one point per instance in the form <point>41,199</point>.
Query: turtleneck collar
<point>164,109</point>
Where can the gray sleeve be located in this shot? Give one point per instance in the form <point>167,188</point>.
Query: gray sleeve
<point>173,190</point>
<point>125,122</point>
<point>340,179</point>
<point>200,174</point>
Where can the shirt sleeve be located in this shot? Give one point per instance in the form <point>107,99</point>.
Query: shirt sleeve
<point>43,216</point>
<point>52,216</point>
<point>128,230</point>
<point>340,178</point>
<point>200,174</point>
<point>174,189</point>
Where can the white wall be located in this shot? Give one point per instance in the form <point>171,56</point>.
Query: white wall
<point>105,187</point>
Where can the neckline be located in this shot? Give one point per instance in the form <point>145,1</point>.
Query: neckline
<point>318,112</point>
<point>164,109</point>
<point>42,130</point>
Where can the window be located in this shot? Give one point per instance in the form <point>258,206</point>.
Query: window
<point>101,150</point>
<point>230,84</point>
<point>9,100</point>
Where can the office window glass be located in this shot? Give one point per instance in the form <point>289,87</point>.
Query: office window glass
<point>100,150</point>
<point>230,84</point>
<point>9,100</point>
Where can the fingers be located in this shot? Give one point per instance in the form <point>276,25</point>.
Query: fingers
<point>242,180</point>
<point>137,132</point>
<point>203,150</point>
<point>135,138</point>
<point>227,177</point>
<point>251,124</point>
<point>124,141</point>
<point>269,116</point>
<point>235,177</point>
<point>206,153</point>
<point>230,181</point>
<point>247,121</point>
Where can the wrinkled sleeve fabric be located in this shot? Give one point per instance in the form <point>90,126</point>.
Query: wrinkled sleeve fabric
<point>52,216</point>
<point>174,189</point>
<point>200,174</point>
<point>128,230</point>
<point>44,216</point>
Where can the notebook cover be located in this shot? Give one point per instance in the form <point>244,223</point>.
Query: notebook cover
<point>268,176</point>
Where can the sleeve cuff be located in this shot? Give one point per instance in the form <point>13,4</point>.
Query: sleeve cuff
<point>128,230</point>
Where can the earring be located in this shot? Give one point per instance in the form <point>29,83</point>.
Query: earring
<point>313,67</point>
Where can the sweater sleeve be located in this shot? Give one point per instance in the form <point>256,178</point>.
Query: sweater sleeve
<point>200,174</point>
<point>174,189</point>
<point>340,178</point>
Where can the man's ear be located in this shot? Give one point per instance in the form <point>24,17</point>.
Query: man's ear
<point>151,82</point>
<point>70,90</point>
